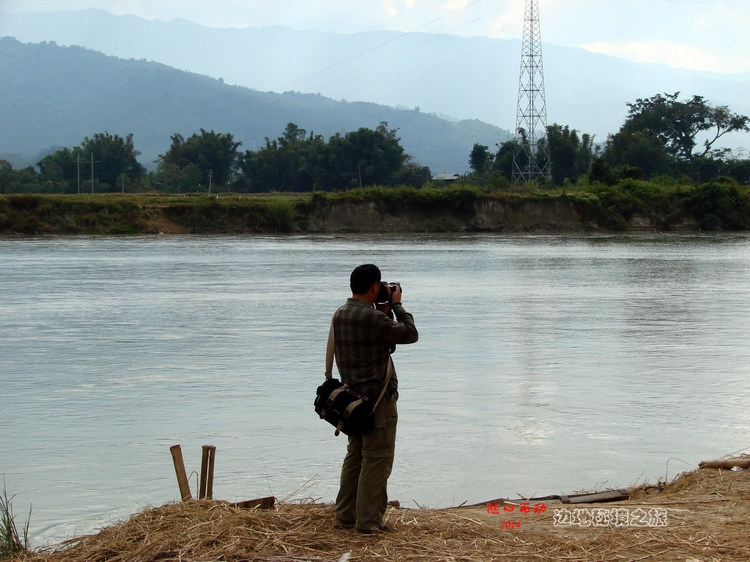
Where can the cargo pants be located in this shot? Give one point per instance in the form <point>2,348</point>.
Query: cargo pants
<point>363,494</point>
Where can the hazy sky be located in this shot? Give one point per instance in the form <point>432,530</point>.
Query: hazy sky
<point>698,34</point>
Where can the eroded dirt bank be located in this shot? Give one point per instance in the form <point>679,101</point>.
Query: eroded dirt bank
<point>466,211</point>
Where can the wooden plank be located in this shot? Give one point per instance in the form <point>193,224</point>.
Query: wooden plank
<point>262,503</point>
<point>726,464</point>
<point>601,497</point>
<point>179,468</point>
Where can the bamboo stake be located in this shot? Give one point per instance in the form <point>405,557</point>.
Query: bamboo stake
<point>179,468</point>
<point>204,472</point>
<point>210,483</point>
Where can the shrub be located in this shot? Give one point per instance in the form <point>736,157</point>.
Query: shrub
<point>280,213</point>
<point>10,540</point>
<point>713,203</point>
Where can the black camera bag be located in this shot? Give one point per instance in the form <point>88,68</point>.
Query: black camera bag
<point>341,406</point>
<point>348,411</point>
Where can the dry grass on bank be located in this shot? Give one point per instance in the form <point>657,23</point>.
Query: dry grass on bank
<point>708,520</point>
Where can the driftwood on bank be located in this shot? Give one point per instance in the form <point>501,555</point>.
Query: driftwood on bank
<point>593,497</point>
<point>262,503</point>
<point>727,464</point>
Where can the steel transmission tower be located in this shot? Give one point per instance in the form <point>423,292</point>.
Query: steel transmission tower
<point>531,157</point>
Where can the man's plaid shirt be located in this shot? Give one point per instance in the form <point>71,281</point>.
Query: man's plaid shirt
<point>363,342</point>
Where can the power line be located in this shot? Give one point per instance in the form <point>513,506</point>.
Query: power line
<point>409,49</point>
<point>380,45</point>
<point>448,33</point>
<point>709,3</point>
<point>376,47</point>
<point>353,35</point>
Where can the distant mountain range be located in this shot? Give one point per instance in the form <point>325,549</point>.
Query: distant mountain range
<point>53,96</point>
<point>469,78</point>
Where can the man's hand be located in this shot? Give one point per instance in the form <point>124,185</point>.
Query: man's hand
<point>396,294</point>
<point>383,307</point>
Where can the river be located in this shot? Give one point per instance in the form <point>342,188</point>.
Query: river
<point>546,364</point>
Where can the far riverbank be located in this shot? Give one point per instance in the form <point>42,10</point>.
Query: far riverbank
<point>631,205</point>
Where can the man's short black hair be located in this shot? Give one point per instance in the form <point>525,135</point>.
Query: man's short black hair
<point>363,277</point>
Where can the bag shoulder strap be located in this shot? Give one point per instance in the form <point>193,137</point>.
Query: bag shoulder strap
<point>330,351</point>
<point>388,373</point>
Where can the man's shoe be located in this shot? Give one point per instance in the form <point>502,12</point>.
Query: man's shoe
<point>375,530</point>
<point>339,524</point>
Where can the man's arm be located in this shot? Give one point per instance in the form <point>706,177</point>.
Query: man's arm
<point>402,331</point>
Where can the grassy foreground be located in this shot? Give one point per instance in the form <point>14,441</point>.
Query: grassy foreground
<point>629,204</point>
<point>705,516</point>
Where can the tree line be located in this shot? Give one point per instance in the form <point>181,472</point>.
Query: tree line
<point>208,160</point>
<point>660,137</point>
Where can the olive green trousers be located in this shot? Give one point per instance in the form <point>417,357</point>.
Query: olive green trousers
<point>363,494</point>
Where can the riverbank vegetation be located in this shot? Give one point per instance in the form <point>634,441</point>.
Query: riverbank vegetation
<point>660,204</point>
<point>12,543</point>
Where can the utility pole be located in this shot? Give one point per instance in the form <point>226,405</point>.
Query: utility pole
<point>78,161</point>
<point>92,171</point>
<point>531,116</point>
<point>210,176</point>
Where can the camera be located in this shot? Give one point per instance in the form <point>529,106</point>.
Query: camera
<point>386,290</point>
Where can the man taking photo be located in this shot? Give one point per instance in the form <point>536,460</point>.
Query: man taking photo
<point>365,336</point>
